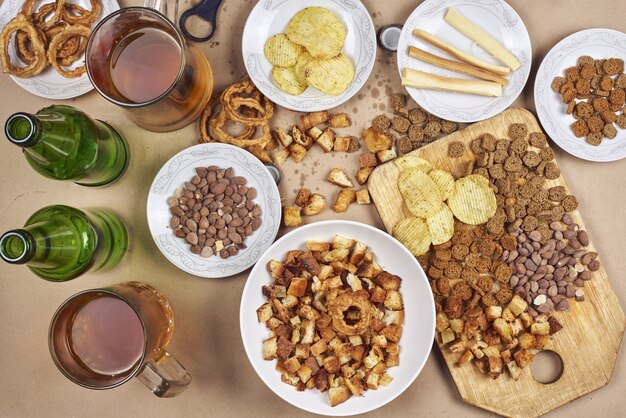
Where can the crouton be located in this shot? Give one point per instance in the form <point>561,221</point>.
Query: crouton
<point>447,336</point>
<point>372,381</point>
<point>523,358</point>
<point>297,287</point>
<point>393,317</point>
<point>321,380</point>
<point>291,216</point>
<point>344,199</point>
<point>393,332</point>
<point>339,242</point>
<point>302,197</point>
<point>271,145</point>
<point>303,351</point>
<point>331,364</point>
<point>338,395</point>
<point>338,176</point>
<point>363,174</point>
<point>281,156</point>
<point>506,356</point>
<point>363,197</point>
<point>376,140</point>
<point>368,159</point>
<point>503,328</point>
<point>495,365</point>
<point>466,357</point>
<point>310,120</point>
<point>275,269</point>
<point>457,346</point>
<point>513,370</point>
<point>386,155</point>
<point>517,305</point>
<point>297,152</point>
<point>326,140</point>
<point>342,143</point>
<point>526,340</point>
<point>284,348</point>
<point>314,132</point>
<point>292,364</point>
<point>339,120</point>
<point>284,139</point>
<point>388,281</point>
<point>456,325</point>
<point>301,138</point>
<point>264,313</point>
<point>493,312</point>
<point>385,380</point>
<point>270,348</point>
<point>540,328</point>
<point>319,348</point>
<point>393,300</point>
<point>315,205</point>
<point>317,246</point>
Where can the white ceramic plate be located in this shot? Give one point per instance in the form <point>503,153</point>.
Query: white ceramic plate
<point>49,84</point>
<point>181,168</point>
<point>599,44</point>
<point>498,19</point>
<point>270,17</point>
<point>419,309</point>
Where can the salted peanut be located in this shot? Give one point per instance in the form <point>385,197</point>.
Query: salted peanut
<point>339,177</point>
<point>386,155</point>
<point>339,120</point>
<point>363,174</point>
<point>326,140</point>
<point>310,120</point>
<point>315,205</point>
<point>363,197</point>
<point>297,152</point>
<point>281,156</point>
<point>302,197</point>
<point>342,143</point>
<point>284,139</point>
<point>344,199</point>
<point>292,216</point>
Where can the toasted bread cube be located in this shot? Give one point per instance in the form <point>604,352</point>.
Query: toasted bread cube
<point>457,325</point>
<point>380,368</point>
<point>393,332</point>
<point>495,365</point>
<point>339,242</point>
<point>378,295</point>
<point>386,155</point>
<point>513,370</point>
<point>270,346</point>
<point>338,395</point>
<point>385,380</point>
<point>289,301</point>
<point>376,140</point>
<point>504,329</point>
<point>290,379</point>
<point>295,320</point>
<point>297,152</point>
<point>354,282</point>
<point>506,356</point>
<point>273,323</point>
<point>304,372</point>
<point>337,254</point>
<point>307,312</point>
<point>508,315</point>
<point>315,205</point>
<point>331,364</point>
<point>284,139</point>
<point>477,351</point>
<point>338,176</point>
<point>303,351</point>
<point>387,280</point>
<point>319,348</point>
<point>281,156</point>
<point>297,287</point>
<point>334,283</point>
<point>355,340</point>
<point>393,317</point>
<point>493,312</point>
<point>392,360</point>
<point>363,197</point>
<point>541,318</point>
<point>447,336</point>
<point>339,120</point>
<point>371,360</point>
<point>292,216</point>
<point>526,340</point>
<point>299,137</point>
<point>372,381</point>
<point>302,197</point>
<point>368,159</point>
<point>344,199</point>
<point>292,365</point>
<point>271,145</point>
<point>310,120</point>
<point>358,252</point>
<point>326,140</point>
<point>347,371</point>
<point>481,365</point>
<point>314,132</point>
<point>356,386</point>
<point>308,328</point>
<point>393,300</point>
<point>320,246</point>
<point>491,351</point>
<point>358,352</point>
<point>471,327</point>
<point>527,320</point>
<point>342,144</point>
<point>264,313</point>
<point>275,268</point>
<point>517,305</point>
<point>540,328</point>
<point>523,358</point>
<point>465,358</point>
<point>325,272</point>
<point>457,346</point>
<point>363,174</point>
<point>380,340</point>
<point>517,327</point>
<point>541,341</point>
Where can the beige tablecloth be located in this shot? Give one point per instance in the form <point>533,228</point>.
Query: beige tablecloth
<point>206,339</point>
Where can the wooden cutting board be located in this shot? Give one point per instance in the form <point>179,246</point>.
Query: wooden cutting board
<point>592,330</point>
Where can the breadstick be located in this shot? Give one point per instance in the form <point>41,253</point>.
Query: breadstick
<point>457,66</point>
<point>422,80</point>
<point>482,38</point>
<point>457,53</point>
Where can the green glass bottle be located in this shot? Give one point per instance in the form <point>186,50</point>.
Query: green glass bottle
<point>63,143</point>
<point>59,243</point>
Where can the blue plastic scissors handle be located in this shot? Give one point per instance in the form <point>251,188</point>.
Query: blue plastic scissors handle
<point>206,10</point>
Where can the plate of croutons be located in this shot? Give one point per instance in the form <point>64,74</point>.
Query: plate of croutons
<point>337,318</point>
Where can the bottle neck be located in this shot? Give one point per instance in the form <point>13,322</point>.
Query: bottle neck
<point>17,246</point>
<point>23,129</point>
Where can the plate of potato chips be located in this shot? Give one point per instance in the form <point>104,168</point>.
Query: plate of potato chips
<point>309,55</point>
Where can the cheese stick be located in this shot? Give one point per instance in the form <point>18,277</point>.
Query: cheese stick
<point>422,80</point>
<point>482,38</point>
<point>457,66</point>
<point>457,53</point>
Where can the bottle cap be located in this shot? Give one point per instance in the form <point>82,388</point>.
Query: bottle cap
<point>389,37</point>
<point>273,172</point>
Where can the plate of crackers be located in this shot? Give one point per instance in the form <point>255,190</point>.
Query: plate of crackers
<point>309,55</point>
<point>580,93</point>
<point>337,318</point>
<point>42,44</point>
<point>464,61</point>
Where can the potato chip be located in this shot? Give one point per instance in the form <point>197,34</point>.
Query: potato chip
<point>441,225</point>
<point>301,64</point>
<point>413,234</point>
<point>472,201</point>
<point>444,182</point>
<point>318,30</point>
<point>330,76</point>
<point>408,162</point>
<point>286,78</point>
<point>420,193</point>
<point>279,50</point>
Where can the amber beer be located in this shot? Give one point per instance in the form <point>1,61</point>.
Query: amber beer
<point>138,59</point>
<point>101,338</point>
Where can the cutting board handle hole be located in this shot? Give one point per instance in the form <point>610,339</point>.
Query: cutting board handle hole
<point>547,367</point>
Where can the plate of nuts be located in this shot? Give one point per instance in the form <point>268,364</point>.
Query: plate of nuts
<point>213,209</point>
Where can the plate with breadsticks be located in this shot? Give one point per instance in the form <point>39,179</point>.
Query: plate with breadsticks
<point>464,60</point>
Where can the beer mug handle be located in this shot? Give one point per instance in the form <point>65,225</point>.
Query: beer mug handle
<point>165,377</point>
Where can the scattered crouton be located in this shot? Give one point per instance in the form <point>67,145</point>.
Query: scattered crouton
<point>302,198</point>
<point>368,159</point>
<point>301,138</point>
<point>342,143</point>
<point>344,199</point>
<point>281,156</point>
<point>284,139</point>
<point>363,197</point>
<point>376,140</point>
<point>292,216</point>
<point>310,120</point>
<point>339,177</point>
<point>386,155</point>
<point>326,140</point>
<point>363,174</point>
<point>315,205</point>
<point>339,120</point>
<point>297,152</point>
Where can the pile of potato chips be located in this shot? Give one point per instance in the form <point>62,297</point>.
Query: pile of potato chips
<point>426,190</point>
<point>309,54</point>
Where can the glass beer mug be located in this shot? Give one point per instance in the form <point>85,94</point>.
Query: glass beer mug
<point>102,338</point>
<point>139,60</point>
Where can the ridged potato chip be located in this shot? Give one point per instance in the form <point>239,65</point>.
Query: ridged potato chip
<point>413,234</point>
<point>330,76</point>
<point>473,201</point>
<point>301,64</point>
<point>288,81</point>
<point>408,162</point>
<point>318,30</point>
<point>420,193</point>
<point>279,50</point>
<point>441,225</point>
<point>444,182</point>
